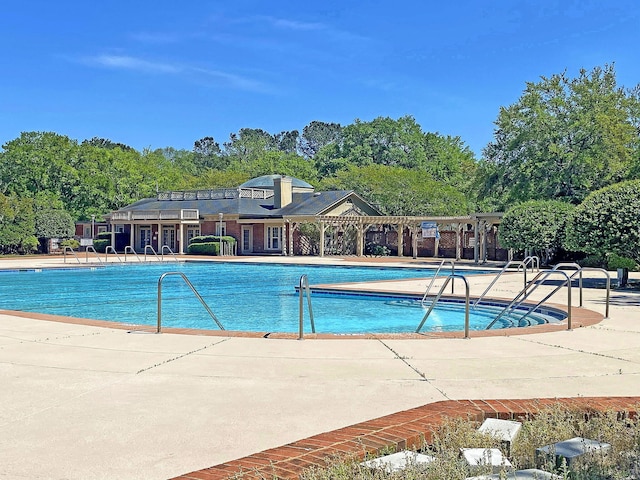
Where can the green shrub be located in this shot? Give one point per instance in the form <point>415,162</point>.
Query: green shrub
<point>209,248</point>
<point>607,221</point>
<point>616,261</point>
<point>212,239</point>
<point>29,244</point>
<point>71,243</point>
<point>538,225</point>
<point>593,261</point>
<point>101,245</point>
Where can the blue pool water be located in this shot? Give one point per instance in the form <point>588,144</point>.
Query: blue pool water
<point>251,297</point>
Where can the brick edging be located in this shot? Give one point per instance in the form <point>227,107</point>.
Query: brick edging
<point>402,430</point>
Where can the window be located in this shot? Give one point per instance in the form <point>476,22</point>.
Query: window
<point>221,228</point>
<point>192,232</point>
<point>87,232</point>
<point>273,237</point>
<point>102,229</point>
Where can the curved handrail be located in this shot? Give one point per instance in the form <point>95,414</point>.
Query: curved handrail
<point>579,270</point>
<point>435,275</point>
<point>69,249</point>
<point>193,289</point>
<point>155,254</point>
<point>433,304</point>
<point>305,289</point>
<point>89,248</point>
<point>524,294</point>
<point>106,253</point>
<point>608,294</point>
<point>534,260</point>
<point>504,269</point>
<point>130,248</point>
<point>166,247</point>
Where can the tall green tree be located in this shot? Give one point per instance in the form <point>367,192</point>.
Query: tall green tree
<point>399,191</point>
<point>562,139</point>
<point>37,162</point>
<point>208,155</point>
<point>248,144</point>
<point>17,225</point>
<point>317,135</point>
<point>537,226</point>
<point>398,143</point>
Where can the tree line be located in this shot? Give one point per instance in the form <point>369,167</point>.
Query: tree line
<point>562,140</point>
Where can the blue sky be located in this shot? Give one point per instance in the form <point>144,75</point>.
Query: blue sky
<point>165,73</point>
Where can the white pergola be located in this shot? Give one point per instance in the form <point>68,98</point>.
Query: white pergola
<point>362,223</point>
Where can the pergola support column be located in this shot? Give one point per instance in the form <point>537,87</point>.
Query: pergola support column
<point>360,240</point>
<point>323,227</point>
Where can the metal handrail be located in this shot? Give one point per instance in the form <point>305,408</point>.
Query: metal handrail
<point>193,289</point>
<point>579,270</point>
<point>524,294</point>
<point>433,304</point>
<point>304,286</point>
<point>167,247</point>
<point>504,269</point>
<point>126,249</point>
<point>608,295</point>
<point>89,248</point>
<point>106,253</point>
<point>64,252</point>
<point>435,275</point>
<point>147,247</point>
<point>534,260</point>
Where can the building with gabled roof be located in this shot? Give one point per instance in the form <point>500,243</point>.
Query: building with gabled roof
<point>255,213</point>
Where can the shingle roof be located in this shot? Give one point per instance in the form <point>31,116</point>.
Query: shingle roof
<point>306,203</point>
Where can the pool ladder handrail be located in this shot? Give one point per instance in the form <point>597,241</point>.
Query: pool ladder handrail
<point>433,279</point>
<point>89,248</point>
<point>111,249</point>
<point>520,264</point>
<point>130,248</point>
<point>521,297</point>
<point>69,249</point>
<point>193,289</point>
<point>155,254</point>
<point>435,300</point>
<point>579,269</point>
<point>534,260</point>
<point>166,247</point>
<point>302,290</point>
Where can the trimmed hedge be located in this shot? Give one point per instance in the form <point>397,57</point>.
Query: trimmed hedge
<point>101,245</point>
<point>209,248</point>
<point>212,239</point>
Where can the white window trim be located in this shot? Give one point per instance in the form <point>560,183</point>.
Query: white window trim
<point>267,237</point>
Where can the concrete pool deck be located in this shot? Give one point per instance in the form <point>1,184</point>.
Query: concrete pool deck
<point>85,401</point>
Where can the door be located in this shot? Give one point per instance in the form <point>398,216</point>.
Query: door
<point>247,239</point>
<point>169,238</point>
<point>144,237</point>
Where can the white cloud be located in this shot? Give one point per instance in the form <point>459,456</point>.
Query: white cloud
<point>131,63</point>
<point>198,74</point>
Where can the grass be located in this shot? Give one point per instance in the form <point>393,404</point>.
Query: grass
<point>549,426</point>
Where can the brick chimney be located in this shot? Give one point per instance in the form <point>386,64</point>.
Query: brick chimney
<point>282,192</point>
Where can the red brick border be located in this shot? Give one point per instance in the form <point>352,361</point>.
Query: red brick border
<point>407,429</point>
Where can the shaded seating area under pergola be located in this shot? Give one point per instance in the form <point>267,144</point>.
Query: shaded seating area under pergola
<point>347,234</point>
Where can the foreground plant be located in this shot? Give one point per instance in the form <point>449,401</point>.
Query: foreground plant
<point>551,425</point>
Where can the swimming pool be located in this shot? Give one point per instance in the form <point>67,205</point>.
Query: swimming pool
<point>243,296</point>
